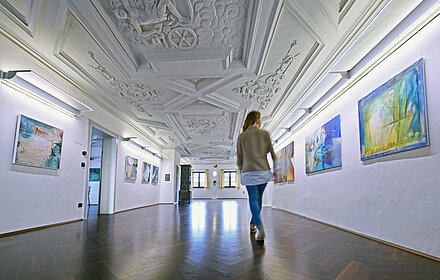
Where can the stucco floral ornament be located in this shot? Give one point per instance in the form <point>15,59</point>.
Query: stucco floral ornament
<point>132,93</point>
<point>263,89</point>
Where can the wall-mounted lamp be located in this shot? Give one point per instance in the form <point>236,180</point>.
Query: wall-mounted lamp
<point>129,138</point>
<point>42,90</point>
<point>308,110</point>
<point>344,74</point>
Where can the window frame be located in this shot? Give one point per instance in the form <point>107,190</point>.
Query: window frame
<point>228,173</point>
<point>199,172</point>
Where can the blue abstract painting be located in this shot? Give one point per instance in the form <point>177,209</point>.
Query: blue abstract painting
<point>155,175</point>
<point>323,147</point>
<point>146,172</point>
<point>392,118</point>
<point>37,144</point>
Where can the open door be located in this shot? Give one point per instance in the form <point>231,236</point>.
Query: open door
<point>100,187</point>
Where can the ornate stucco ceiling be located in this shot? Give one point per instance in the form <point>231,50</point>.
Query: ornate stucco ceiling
<point>186,72</point>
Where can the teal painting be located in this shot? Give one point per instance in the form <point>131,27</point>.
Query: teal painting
<point>37,144</point>
<point>393,117</point>
<point>94,174</point>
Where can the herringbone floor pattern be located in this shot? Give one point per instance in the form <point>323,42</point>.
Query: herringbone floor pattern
<point>203,240</point>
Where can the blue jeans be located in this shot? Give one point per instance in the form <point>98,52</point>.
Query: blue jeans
<point>255,202</point>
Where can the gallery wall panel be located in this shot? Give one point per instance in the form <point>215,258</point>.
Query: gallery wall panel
<point>392,197</point>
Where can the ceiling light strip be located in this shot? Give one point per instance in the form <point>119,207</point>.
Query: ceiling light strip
<point>128,139</point>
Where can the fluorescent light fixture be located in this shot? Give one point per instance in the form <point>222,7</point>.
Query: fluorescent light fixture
<point>42,90</point>
<point>128,139</point>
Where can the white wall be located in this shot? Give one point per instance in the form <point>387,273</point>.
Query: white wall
<point>32,197</point>
<point>215,192</point>
<point>135,194</point>
<point>168,188</point>
<point>394,198</point>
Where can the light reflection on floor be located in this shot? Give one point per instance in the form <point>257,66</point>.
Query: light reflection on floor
<point>230,216</point>
<point>198,219</point>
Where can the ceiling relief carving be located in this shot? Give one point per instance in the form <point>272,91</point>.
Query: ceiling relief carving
<point>183,25</point>
<point>209,126</point>
<point>220,23</point>
<point>263,89</point>
<point>132,93</point>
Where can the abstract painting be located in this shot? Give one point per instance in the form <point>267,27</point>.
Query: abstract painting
<point>285,169</point>
<point>131,165</point>
<point>94,174</point>
<point>37,144</point>
<point>146,171</point>
<point>392,118</point>
<point>323,147</point>
<point>155,175</point>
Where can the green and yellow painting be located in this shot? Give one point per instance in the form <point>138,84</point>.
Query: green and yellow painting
<point>392,118</point>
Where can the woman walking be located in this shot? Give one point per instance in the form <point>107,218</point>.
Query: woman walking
<point>253,144</point>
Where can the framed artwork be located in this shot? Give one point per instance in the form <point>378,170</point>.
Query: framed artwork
<point>131,165</point>
<point>146,172</point>
<point>323,147</point>
<point>94,174</point>
<point>286,171</point>
<point>37,144</point>
<point>393,117</point>
<point>155,175</point>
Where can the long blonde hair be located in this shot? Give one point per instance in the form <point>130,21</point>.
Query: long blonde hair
<point>251,118</point>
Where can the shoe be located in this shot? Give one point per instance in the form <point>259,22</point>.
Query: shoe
<point>253,228</point>
<point>261,234</point>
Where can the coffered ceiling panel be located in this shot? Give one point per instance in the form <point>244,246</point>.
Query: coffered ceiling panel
<point>24,13</point>
<point>153,27</point>
<point>290,48</point>
<point>88,58</point>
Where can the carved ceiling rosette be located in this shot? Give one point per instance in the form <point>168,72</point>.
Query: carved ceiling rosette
<point>220,23</point>
<point>201,23</point>
<point>208,127</point>
<point>263,89</point>
<point>132,93</point>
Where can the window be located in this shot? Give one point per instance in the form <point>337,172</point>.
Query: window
<point>229,178</point>
<point>198,179</point>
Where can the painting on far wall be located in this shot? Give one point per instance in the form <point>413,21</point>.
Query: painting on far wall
<point>286,171</point>
<point>392,118</point>
<point>94,174</point>
<point>37,144</point>
<point>155,175</point>
<point>146,172</point>
<point>323,147</point>
<point>131,165</point>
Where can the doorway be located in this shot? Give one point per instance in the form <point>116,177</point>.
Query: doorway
<point>94,187</point>
<point>177,183</point>
<point>100,190</point>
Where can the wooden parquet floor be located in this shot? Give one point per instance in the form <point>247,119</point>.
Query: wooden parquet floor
<point>203,240</point>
